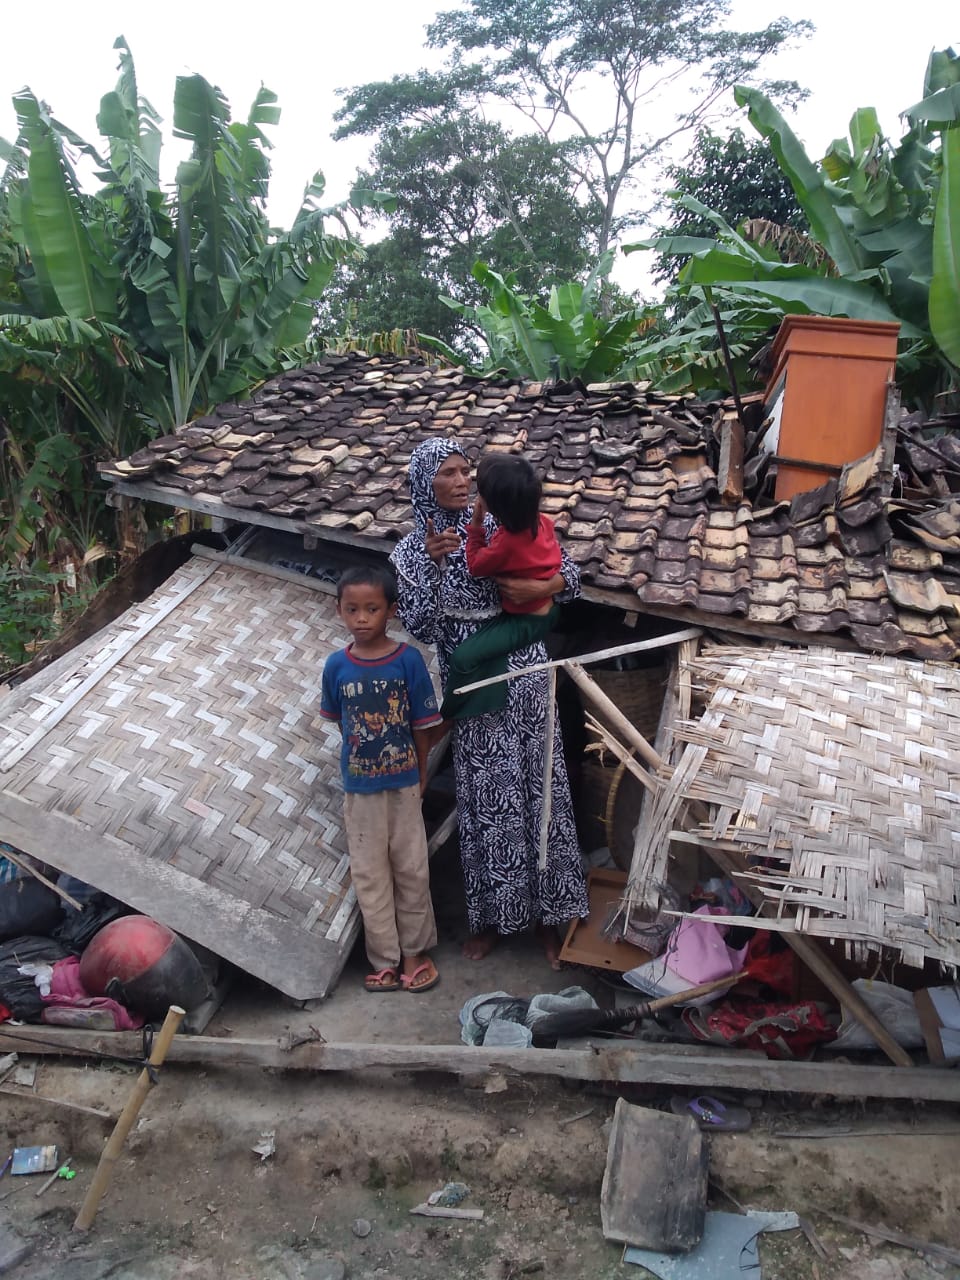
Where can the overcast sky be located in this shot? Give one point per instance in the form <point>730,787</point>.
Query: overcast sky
<point>859,56</point>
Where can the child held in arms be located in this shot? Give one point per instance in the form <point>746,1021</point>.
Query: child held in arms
<point>380,693</point>
<point>523,545</point>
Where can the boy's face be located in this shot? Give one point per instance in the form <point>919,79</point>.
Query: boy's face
<point>363,607</point>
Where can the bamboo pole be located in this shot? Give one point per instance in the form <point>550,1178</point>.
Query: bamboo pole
<point>611,712</point>
<point>587,659</point>
<point>547,808</point>
<point>111,1152</point>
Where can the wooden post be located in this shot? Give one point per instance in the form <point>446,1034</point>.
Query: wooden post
<point>111,1152</point>
<point>545,811</point>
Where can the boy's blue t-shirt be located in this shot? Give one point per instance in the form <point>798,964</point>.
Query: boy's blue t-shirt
<point>378,702</point>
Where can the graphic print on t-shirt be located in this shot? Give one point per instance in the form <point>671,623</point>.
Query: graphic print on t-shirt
<point>376,728</point>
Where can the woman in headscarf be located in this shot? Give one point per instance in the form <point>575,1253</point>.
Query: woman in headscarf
<point>498,757</point>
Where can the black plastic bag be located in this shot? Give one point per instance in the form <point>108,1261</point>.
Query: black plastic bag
<point>19,993</point>
<point>77,928</point>
<point>27,907</point>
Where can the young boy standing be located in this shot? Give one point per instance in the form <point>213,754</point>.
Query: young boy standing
<point>380,693</point>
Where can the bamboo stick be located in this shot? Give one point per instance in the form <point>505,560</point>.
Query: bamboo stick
<point>111,1152</point>
<point>587,659</point>
<point>11,856</point>
<point>630,733</point>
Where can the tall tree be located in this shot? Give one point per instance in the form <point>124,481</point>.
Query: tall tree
<point>590,77</point>
<point>465,190</point>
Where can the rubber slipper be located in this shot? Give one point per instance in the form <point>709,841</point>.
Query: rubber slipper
<point>711,1113</point>
<point>409,981</point>
<point>376,983</point>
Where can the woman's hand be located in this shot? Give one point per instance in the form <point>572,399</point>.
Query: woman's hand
<point>523,590</point>
<point>437,545</point>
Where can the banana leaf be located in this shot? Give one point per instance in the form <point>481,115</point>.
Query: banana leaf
<point>945,285</point>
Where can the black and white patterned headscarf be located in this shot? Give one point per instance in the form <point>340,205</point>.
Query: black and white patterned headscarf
<point>425,462</point>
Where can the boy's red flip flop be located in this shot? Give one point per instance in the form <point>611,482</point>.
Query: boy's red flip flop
<point>409,980</point>
<point>376,983</point>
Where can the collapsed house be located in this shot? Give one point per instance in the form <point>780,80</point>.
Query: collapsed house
<point>175,759</point>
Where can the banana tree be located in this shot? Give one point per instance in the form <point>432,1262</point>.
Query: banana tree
<point>567,338</point>
<point>888,219</point>
<point>133,307</point>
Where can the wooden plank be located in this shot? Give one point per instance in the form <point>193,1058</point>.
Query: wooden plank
<point>734,624</point>
<point>624,1062</point>
<point>129,643</point>
<point>730,469</point>
<point>299,964</point>
<point>207,505</point>
<point>654,1191</point>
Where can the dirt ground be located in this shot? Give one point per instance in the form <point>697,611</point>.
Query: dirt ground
<point>190,1198</point>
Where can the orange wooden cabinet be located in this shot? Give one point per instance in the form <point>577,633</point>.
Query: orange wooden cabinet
<point>827,396</point>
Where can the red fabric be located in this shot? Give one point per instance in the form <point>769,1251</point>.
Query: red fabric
<point>67,989</point>
<point>780,1029</point>
<point>769,968</point>
<point>515,555</point>
<point>4,1013</point>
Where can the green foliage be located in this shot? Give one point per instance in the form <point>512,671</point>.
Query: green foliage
<point>492,160</point>
<point>465,191</point>
<point>565,339</point>
<point>888,219</point>
<point>127,310</point>
<point>35,602</point>
<point>735,176</point>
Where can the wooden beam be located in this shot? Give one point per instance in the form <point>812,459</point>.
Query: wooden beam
<point>208,505</point>
<point>730,469</point>
<point>259,566</point>
<point>615,1060</point>
<point>300,964</point>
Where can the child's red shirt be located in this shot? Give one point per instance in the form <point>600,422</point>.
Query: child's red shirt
<point>515,555</point>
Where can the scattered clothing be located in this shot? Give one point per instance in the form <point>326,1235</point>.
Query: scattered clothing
<point>67,991</point>
<point>727,1250</point>
<point>781,1029</point>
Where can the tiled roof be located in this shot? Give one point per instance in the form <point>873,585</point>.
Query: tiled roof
<point>630,478</point>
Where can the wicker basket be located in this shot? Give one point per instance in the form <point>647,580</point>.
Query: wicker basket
<point>638,693</point>
<point>595,782</point>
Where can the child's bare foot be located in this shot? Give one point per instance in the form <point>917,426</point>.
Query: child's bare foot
<point>419,973</point>
<point>549,939</point>
<point>479,945</point>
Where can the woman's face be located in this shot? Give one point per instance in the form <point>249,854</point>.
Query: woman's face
<point>451,484</point>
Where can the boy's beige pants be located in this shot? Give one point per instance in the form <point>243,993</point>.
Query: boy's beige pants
<point>390,873</point>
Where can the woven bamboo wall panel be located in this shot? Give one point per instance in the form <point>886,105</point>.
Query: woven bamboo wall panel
<point>842,773</point>
<point>200,746</point>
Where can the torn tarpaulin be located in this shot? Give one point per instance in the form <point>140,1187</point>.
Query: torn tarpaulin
<point>727,1249</point>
